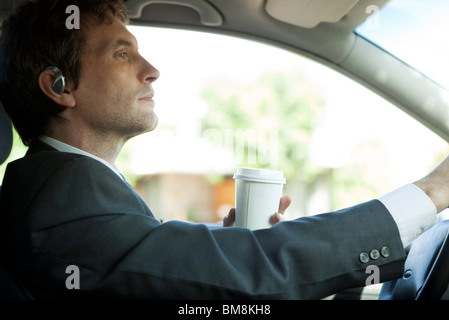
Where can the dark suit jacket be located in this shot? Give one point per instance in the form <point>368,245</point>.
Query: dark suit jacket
<point>60,209</point>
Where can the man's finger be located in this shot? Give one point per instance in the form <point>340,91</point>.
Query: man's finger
<point>276,218</point>
<point>284,203</point>
<point>229,219</point>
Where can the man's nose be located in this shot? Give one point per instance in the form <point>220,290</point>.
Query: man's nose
<point>149,72</point>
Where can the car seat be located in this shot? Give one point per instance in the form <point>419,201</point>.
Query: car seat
<point>9,288</point>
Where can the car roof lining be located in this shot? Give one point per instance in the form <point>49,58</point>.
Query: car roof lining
<point>302,13</point>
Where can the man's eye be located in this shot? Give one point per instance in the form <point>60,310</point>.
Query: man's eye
<point>122,54</point>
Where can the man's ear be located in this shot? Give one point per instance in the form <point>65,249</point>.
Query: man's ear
<point>46,81</point>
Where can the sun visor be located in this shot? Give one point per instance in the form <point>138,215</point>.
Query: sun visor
<point>209,15</point>
<point>309,13</point>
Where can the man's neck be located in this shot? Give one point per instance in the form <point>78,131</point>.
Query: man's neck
<point>102,146</point>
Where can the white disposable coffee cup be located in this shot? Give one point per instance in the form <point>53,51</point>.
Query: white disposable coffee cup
<point>257,196</point>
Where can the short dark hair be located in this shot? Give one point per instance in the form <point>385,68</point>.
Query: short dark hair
<point>34,37</point>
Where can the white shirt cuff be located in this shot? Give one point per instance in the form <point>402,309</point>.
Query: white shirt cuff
<point>412,210</point>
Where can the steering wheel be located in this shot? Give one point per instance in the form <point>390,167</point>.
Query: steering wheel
<point>426,270</point>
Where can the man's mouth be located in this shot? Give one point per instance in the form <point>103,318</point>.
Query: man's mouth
<point>148,97</point>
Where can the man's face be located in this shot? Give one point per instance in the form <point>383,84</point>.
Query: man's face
<point>114,95</point>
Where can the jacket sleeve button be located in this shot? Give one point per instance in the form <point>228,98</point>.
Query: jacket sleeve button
<point>374,254</point>
<point>385,252</point>
<point>364,257</point>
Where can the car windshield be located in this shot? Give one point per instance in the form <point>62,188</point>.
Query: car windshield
<point>414,31</point>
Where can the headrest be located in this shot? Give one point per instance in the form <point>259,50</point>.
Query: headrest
<point>5,135</point>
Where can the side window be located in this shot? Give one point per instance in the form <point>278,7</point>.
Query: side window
<point>224,102</point>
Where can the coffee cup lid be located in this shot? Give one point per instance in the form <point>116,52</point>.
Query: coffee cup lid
<point>259,175</point>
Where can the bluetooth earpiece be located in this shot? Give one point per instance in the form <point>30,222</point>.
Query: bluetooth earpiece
<point>59,84</point>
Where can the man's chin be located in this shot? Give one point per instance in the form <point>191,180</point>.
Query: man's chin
<point>148,127</point>
<point>151,125</point>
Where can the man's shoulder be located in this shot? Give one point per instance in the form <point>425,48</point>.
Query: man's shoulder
<point>48,161</point>
<point>36,168</point>
<point>41,157</point>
